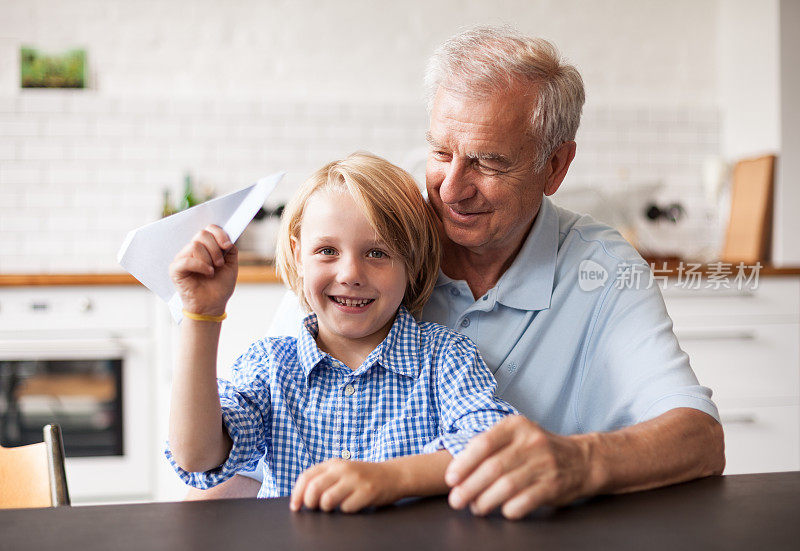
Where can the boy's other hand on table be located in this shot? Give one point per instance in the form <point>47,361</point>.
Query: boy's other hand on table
<point>348,485</point>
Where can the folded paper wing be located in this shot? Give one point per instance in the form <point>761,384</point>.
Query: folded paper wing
<point>148,251</point>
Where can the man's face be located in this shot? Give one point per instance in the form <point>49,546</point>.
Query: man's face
<point>480,171</point>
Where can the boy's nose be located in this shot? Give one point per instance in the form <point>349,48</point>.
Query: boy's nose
<point>350,272</point>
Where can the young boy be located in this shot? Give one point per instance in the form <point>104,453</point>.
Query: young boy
<point>341,413</point>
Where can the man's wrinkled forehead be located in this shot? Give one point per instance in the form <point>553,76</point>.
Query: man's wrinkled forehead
<point>491,128</point>
<point>509,107</point>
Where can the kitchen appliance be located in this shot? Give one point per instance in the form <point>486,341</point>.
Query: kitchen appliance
<point>81,357</point>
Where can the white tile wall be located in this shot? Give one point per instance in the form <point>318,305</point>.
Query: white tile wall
<point>230,91</point>
<point>75,178</point>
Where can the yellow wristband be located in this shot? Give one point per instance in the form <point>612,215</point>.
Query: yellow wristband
<point>201,317</point>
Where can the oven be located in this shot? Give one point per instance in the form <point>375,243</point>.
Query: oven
<point>82,357</point>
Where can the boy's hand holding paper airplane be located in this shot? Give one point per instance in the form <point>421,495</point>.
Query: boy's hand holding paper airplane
<point>148,251</point>
<point>204,272</point>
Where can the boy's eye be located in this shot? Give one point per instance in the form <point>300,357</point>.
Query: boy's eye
<point>375,253</point>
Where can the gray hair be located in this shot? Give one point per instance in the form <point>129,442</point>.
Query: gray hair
<point>485,60</point>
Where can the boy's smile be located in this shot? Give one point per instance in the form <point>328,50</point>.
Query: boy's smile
<point>351,280</point>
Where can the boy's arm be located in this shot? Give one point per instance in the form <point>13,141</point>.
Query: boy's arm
<point>286,322</point>
<point>465,397</point>
<point>204,275</point>
<point>354,485</point>
<point>420,475</point>
<point>237,487</point>
<point>197,436</point>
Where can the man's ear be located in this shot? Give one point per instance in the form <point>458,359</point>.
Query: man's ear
<point>558,165</point>
<point>295,243</point>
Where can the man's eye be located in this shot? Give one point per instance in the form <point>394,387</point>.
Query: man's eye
<point>483,169</point>
<point>441,155</point>
<point>375,253</point>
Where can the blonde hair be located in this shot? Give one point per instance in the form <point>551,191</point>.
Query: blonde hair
<point>394,207</point>
<point>485,60</point>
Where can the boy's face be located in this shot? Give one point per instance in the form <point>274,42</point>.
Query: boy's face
<point>350,279</point>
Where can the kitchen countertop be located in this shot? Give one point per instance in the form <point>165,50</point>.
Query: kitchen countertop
<point>265,273</point>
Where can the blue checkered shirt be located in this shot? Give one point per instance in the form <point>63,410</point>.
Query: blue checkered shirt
<point>423,388</point>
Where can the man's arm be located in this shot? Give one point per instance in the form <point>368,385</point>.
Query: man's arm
<point>519,466</point>
<point>633,375</point>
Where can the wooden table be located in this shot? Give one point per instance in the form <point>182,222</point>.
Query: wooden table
<point>760,511</point>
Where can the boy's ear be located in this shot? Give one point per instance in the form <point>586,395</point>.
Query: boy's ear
<point>296,252</point>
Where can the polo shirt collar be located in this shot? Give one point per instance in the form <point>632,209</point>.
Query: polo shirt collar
<point>398,352</point>
<point>528,283</point>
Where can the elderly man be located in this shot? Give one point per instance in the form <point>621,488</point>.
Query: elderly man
<point>609,400</point>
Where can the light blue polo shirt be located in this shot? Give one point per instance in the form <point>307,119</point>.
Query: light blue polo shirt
<point>570,350</point>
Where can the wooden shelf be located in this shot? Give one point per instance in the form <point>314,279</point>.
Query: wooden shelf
<point>247,274</point>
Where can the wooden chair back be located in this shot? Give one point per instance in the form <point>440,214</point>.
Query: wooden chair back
<point>34,475</point>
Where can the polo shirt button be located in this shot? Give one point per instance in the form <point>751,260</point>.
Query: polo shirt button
<point>465,322</point>
<point>455,292</point>
<point>349,390</point>
<point>485,297</point>
<point>345,454</point>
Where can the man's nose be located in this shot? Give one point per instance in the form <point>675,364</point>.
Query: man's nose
<point>350,271</point>
<point>456,186</point>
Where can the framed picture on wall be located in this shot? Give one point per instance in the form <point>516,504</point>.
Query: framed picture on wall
<point>52,70</point>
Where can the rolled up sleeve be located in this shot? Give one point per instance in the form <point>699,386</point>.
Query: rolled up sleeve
<point>465,397</point>
<point>246,406</point>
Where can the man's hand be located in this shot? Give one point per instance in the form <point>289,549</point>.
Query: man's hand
<point>348,485</point>
<point>519,466</point>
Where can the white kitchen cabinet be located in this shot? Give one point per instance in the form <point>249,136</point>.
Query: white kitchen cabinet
<point>745,346</point>
<point>748,363</point>
<point>761,438</point>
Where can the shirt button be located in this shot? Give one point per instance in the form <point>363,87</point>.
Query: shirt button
<point>465,322</point>
<point>345,454</point>
<point>455,292</point>
<point>348,391</point>
<point>485,297</point>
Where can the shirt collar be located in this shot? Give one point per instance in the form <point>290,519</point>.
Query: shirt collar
<point>398,352</point>
<point>308,352</point>
<point>528,283</point>
<point>400,349</point>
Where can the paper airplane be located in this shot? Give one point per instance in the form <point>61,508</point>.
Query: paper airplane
<point>148,251</point>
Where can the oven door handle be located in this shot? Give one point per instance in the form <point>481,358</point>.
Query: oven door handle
<point>61,349</point>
